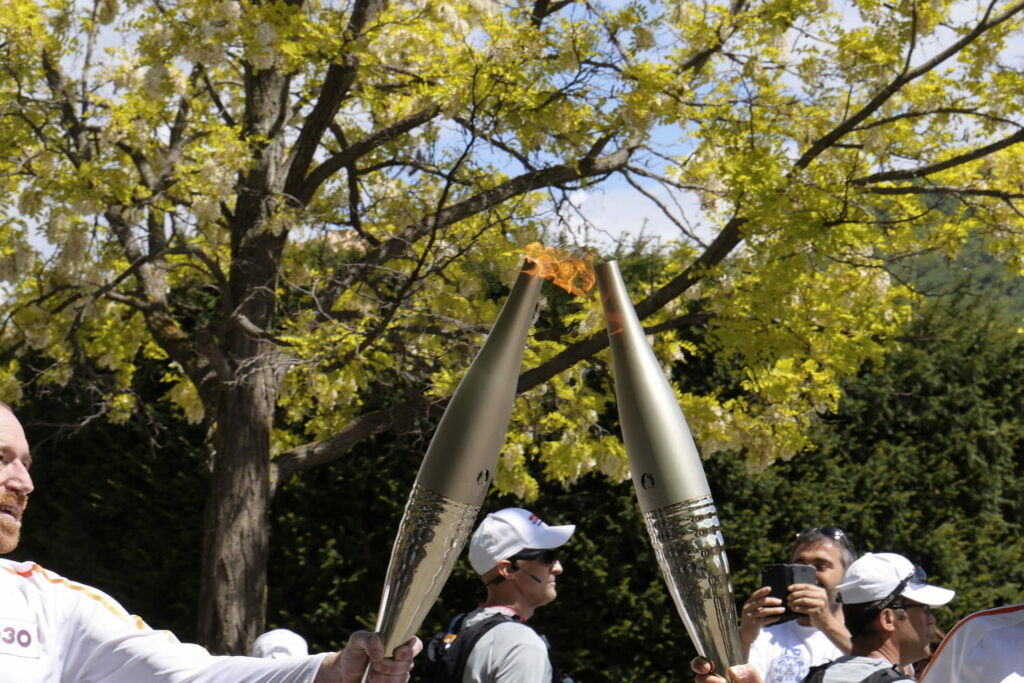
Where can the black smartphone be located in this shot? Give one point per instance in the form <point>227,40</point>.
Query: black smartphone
<point>781,576</point>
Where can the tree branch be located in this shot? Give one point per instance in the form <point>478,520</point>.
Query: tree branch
<point>196,362</point>
<point>225,115</point>
<point>321,452</point>
<point>934,112</point>
<point>177,139</point>
<point>305,190</point>
<point>363,427</point>
<point>698,60</point>
<point>826,141</point>
<point>945,190</point>
<point>485,199</point>
<point>542,9</point>
<point>142,165</point>
<point>336,86</point>
<point>665,211</point>
<point>78,151</point>
<point>923,171</point>
<point>515,154</point>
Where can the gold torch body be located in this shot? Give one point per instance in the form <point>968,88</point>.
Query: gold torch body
<point>456,471</point>
<point>670,483</point>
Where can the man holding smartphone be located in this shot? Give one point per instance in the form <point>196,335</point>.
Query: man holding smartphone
<point>784,652</point>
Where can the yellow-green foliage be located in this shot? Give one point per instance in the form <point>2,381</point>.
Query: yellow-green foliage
<point>809,126</point>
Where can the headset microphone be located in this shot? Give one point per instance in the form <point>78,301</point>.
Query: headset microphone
<point>532,576</point>
<point>516,568</point>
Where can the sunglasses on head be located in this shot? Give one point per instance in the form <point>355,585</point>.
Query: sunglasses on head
<point>832,532</point>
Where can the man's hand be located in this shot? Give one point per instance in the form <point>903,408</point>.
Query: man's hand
<point>364,648</point>
<point>812,601</point>
<point>741,673</point>
<point>758,611</point>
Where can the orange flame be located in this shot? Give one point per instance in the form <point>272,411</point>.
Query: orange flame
<point>574,274</point>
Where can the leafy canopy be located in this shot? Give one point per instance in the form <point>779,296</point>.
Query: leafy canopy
<point>392,157</point>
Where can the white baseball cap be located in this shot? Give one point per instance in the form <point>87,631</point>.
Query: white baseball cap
<point>280,644</point>
<point>876,576</point>
<point>506,532</point>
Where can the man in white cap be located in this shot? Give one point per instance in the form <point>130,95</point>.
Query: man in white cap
<point>280,643</point>
<point>53,629</point>
<point>887,606</point>
<point>984,647</point>
<point>513,551</point>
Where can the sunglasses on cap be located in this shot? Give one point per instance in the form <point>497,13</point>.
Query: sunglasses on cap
<point>889,601</point>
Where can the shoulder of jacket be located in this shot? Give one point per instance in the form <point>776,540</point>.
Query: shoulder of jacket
<point>25,570</point>
<point>63,589</point>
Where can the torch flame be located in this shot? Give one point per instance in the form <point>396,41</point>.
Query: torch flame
<point>561,267</point>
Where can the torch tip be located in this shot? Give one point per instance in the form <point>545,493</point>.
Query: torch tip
<point>572,272</point>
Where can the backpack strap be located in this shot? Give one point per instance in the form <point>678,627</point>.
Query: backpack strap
<point>456,623</point>
<point>886,675</point>
<point>816,674</point>
<point>555,676</point>
<point>465,640</point>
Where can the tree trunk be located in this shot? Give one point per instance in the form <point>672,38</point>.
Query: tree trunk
<point>232,596</point>
<point>234,580</point>
<point>234,572</point>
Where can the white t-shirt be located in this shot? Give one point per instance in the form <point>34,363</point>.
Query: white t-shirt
<point>782,653</point>
<point>985,647</point>
<point>508,653</point>
<point>56,631</point>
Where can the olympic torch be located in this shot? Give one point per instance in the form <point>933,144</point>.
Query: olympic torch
<point>669,481</point>
<point>456,471</point>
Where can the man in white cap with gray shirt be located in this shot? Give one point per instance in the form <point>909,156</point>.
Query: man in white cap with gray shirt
<point>513,551</point>
<point>887,606</point>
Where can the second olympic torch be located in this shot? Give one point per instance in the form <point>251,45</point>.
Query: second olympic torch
<point>456,471</point>
<point>669,481</point>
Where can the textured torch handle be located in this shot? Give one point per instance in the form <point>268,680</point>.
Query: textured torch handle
<point>456,471</point>
<point>429,542</point>
<point>690,550</point>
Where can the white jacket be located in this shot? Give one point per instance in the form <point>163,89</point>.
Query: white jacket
<point>56,631</point>
<point>985,647</point>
